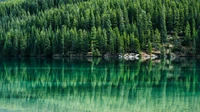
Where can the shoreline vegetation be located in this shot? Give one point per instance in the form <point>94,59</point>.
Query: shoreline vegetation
<point>126,56</point>
<point>99,28</point>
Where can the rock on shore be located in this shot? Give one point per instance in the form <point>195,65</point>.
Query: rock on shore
<point>136,56</point>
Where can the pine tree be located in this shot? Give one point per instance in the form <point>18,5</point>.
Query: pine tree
<point>194,37</point>
<point>136,45</point>
<point>92,19</point>
<point>157,36</point>
<point>112,41</point>
<point>120,41</point>
<point>187,33</point>
<point>198,40</point>
<point>62,40</point>
<point>86,41</point>
<point>149,47</point>
<point>176,23</point>
<point>114,19</point>
<point>98,20</point>
<point>81,41</point>
<point>169,20</point>
<point>47,47</point>
<point>163,26</point>
<point>131,46</point>
<point>14,41</point>
<point>22,44</point>
<point>93,39</point>
<point>7,47</point>
<point>74,42</point>
<point>105,40</point>
<point>2,42</point>
<point>121,21</point>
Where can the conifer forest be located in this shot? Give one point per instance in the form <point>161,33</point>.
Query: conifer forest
<point>64,27</point>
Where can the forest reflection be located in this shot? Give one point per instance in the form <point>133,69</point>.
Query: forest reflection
<point>95,84</point>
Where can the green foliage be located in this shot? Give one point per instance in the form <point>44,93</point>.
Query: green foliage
<point>163,51</point>
<point>149,47</point>
<point>157,36</point>
<point>187,34</point>
<point>163,25</point>
<point>32,27</point>
<point>93,39</point>
<point>136,45</point>
<point>96,52</point>
<point>198,41</point>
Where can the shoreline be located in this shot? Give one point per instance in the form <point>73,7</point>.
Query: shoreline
<point>104,56</point>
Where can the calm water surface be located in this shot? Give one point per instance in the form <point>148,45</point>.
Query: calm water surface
<point>98,85</point>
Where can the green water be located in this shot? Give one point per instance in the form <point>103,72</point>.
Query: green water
<point>98,85</point>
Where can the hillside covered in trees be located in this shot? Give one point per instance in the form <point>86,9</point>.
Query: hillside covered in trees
<point>64,27</point>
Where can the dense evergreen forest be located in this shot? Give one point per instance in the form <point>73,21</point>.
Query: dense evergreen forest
<point>64,27</point>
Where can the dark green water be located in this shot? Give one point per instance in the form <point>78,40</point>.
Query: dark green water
<point>97,85</point>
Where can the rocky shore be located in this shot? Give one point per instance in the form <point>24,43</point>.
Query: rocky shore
<point>136,56</point>
<point>130,56</point>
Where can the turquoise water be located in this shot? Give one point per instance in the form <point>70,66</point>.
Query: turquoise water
<point>98,85</point>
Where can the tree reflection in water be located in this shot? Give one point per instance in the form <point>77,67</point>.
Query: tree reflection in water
<point>99,85</point>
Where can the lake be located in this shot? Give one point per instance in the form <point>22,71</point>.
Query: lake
<point>99,85</point>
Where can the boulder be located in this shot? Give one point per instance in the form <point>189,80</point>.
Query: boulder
<point>131,56</point>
